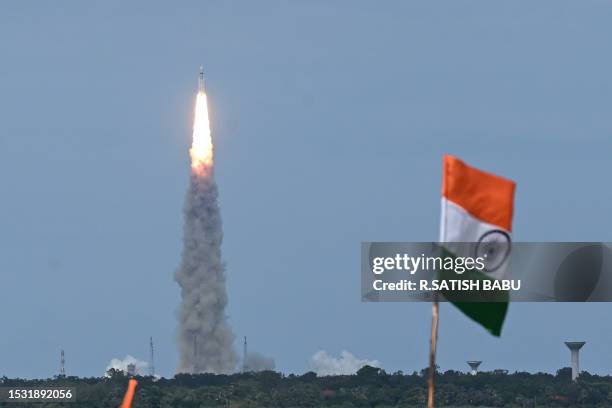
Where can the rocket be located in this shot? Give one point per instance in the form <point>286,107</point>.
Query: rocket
<point>201,80</point>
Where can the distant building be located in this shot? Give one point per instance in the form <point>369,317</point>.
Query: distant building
<point>131,369</point>
<point>575,347</point>
<point>500,372</point>
<point>474,366</point>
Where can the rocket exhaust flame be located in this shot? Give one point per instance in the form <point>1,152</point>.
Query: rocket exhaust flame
<point>201,151</point>
<point>205,337</point>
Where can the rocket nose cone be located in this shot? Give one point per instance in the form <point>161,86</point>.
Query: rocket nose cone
<point>201,80</point>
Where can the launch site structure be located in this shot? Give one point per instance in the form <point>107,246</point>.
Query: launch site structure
<point>474,366</point>
<point>575,347</point>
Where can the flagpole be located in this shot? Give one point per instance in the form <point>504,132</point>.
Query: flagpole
<point>435,317</point>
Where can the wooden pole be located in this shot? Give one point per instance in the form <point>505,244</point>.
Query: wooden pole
<point>435,317</point>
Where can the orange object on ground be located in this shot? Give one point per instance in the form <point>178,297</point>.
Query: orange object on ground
<point>129,394</point>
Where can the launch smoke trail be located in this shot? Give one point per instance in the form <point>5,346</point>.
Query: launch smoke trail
<point>205,337</point>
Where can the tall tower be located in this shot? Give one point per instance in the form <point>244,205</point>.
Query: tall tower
<point>195,354</point>
<point>474,366</point>
<point>575,347</point>
<point>151,358</point>
<point>244,356</point>
<point>62,365</point>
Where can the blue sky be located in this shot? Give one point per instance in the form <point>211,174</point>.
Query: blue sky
<point>330,119</point>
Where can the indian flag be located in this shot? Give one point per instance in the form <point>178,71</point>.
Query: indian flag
<point>477,209</point>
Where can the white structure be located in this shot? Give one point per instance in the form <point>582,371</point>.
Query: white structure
<point>575,347</point>
<point>131,369</point>
<point>474,366</point>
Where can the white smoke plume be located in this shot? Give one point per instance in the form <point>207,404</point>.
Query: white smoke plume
<point>324,364</point>
<point>258,362</point>
<point>142,367</point>
<point>205,337</point>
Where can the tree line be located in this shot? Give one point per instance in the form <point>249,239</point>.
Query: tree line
<point>369,387</point>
